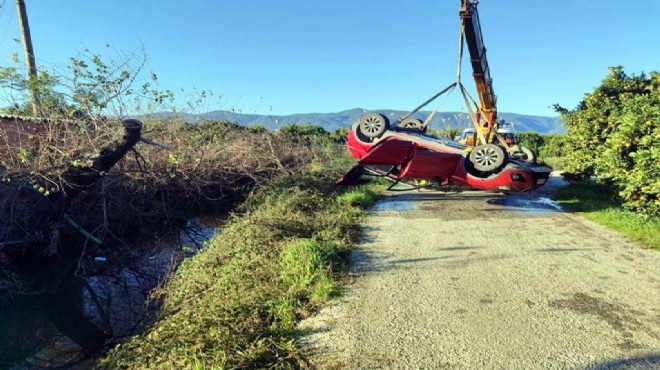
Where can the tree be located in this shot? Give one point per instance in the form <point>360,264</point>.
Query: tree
<point>614,133</point>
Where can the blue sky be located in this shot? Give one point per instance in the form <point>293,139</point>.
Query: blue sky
<point>299,56</point>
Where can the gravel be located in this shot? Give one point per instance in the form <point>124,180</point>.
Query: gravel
<point>475,280</point>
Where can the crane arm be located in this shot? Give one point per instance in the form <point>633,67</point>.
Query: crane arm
<point>481,73</point>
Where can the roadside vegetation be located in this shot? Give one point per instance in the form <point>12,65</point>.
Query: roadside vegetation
<point>612,155</point>
<point>614,134</point>
<point>233,302</point>
<point>596,202</point>
<point>280,254</point>
<point>234,305</point>
<point>549,148</point>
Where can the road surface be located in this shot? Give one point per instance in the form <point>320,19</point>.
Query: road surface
<point>482,281</point>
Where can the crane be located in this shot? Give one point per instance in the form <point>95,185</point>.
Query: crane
<point>483,141</point>
<point>485,118</point>
<point>471,33</point>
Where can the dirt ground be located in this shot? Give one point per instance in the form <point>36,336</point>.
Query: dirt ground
<point>475,280</point>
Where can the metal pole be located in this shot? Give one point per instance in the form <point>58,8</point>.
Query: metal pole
<point>29,56</point>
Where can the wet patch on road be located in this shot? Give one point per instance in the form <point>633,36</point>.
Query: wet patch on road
<point>614,314</point>
<point>537,204</point>
<point>395,205</point>
<point>620,317</point>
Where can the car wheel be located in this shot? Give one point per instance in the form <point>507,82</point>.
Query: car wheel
<point>373,125</point>
<point>413,123</point>
<point>487,157</point>
<point>528,155</point>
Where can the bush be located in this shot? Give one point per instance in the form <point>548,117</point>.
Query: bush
<point>212,165</point>
<point>340,135</point>
<point>549,148</point>
<point>306,132</point>
<point>614,133</point>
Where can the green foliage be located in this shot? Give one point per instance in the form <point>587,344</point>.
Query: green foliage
<point>257,129</point>
<point>532,140</point>
<point>614,133</point>
<point>597,202</point>
<point>89,87</point>
<point>552,146</point>
<point>308,130</point>
<point>340,135</point>
<point>306,268</point>
<point>359,197</point>
<point>449,132</point>
<point>234,304</point>
<point>549,148</point>
<point>54,103</point>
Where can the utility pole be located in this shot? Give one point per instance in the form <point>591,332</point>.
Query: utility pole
<point>29,56</point>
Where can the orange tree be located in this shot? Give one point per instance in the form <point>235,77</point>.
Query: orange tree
<point>614,134</point>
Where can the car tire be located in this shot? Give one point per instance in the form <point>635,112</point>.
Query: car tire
<point>373,125</point>
<point>528,155</point>
<point>487,158</point>
<point>412,123</point>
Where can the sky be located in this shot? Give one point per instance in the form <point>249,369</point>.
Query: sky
<point>302,56</point>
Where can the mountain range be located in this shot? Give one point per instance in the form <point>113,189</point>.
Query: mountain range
<point>333,121</point>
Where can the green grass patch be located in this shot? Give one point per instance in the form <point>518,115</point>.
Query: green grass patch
<point>597,202</point>
<point>359,197</point>
<point>235,304</point>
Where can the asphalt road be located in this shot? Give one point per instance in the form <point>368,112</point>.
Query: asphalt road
<point>481,281</point>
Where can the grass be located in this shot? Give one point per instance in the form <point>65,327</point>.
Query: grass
<point>596,202</point>
<point>235,304</point>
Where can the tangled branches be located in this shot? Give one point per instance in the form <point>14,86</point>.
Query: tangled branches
<point>150,192</point>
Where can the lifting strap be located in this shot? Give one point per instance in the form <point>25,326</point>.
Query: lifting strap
<point>476,118</point>
<point>430,117</point>
<point>473,115</point>
<point>494,132</point>
<point>468,98</point>
<point>461,39</point>
<point>407,115</point>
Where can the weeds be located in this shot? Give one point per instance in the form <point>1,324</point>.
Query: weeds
<point>235,304</point>
<point>599,203</point>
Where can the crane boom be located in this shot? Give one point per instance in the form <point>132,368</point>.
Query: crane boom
<point>481,73</point>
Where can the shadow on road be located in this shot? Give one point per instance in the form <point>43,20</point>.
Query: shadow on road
<point>651,361</point>
<point>415,260</point>
<point>459,248</point>
<point>556,250</point>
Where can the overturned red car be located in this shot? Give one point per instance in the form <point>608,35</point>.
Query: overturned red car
<point>405,154</point>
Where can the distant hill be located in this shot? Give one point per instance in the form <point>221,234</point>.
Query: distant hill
<point>333,121</point>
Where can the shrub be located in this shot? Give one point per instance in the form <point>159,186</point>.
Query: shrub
<point>614,133</point>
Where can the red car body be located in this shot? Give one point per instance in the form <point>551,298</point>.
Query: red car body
<point>411,154</point>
